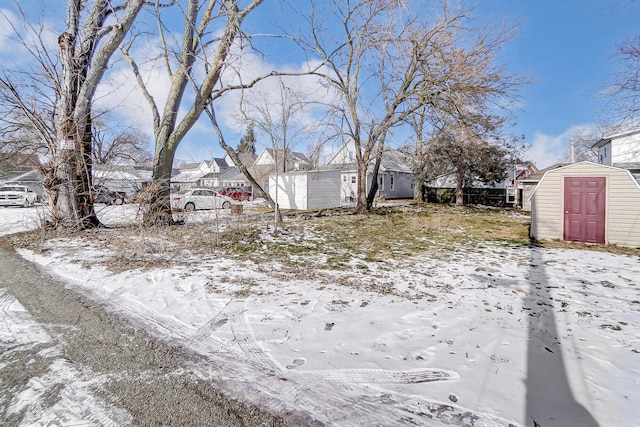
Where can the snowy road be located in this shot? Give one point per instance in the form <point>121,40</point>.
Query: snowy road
<point>65,361</point>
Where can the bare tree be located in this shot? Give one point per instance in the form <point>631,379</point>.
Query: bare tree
<point>278,120</point>
<point>200,44</point>
<point>386,65</point>
<point>85,49</point>
<point>54,102</point>
<point>115,144</point>
<point>474,153</point>
<point>583,141</point>
<point>425,164</point>
<point>625,93</point>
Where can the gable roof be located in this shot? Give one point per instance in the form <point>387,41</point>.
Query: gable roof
<point>537,176</point>
<point>392,160</point>
<point>291,156</point>
<point>572,165</point>
<point>607,139</point>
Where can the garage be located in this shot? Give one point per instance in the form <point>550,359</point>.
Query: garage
<point>587,202</point>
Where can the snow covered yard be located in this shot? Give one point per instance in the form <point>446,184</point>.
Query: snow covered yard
<point>410,316</point>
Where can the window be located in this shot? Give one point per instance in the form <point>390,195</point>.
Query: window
<point>381,183</point>
<point>353,179</point>
<point>391,182</point>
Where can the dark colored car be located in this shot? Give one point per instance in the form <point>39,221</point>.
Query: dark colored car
<point>102,194</point>
<point>236,193</point>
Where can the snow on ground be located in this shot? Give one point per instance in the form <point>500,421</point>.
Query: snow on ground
<point>77,404</point>
<point>499,335</point>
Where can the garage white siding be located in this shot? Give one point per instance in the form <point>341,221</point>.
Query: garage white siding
<point>622,203</point>
<point>306,190</point>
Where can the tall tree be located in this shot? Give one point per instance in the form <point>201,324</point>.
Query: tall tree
<point>84,51</point>
<point>94,30</point>
<point>385,61</point>
<point>200,45</point>
<point>247,144</point>
<point>472,155</point>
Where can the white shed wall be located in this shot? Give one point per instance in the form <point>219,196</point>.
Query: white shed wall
<point>622,210</point>
<point>323,189</point>
<point>306,190</point>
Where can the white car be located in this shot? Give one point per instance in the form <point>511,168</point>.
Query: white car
<point>199,198</point>
<point>17,195</point>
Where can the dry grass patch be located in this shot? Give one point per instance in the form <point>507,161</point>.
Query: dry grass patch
<point>328,240</point>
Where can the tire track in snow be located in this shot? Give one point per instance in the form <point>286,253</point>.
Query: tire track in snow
<point>309,388</point>
<point>360,376</point>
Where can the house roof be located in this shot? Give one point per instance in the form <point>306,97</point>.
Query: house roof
<point>187,176</point>
<point>607,139</point>
<point>392,160</point>
<point>292,156</point>
<point>222,164</point>
<point>537,176</point>
<point>114,175</point>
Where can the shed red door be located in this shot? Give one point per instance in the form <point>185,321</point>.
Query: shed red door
<point>584,209</point>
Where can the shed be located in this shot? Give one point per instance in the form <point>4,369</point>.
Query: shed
<point>587,202</point>
<point>306,190</point>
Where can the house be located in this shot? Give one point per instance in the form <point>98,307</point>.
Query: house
<point>265,164</point>
<point>395,177</point>
<point>203,174</point>
<point>14,164</point>
<point>510,192</point>
<point>528,184</point>
<point>306,190</point>
<point>214,178</point>
<point>517,176</point>
<point>587,202</point>
<point>621,150</point>
<point>125,178</point>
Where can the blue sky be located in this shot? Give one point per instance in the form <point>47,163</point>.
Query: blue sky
<point>565,48</point>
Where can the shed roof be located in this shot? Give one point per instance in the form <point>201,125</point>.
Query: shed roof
<point>572,165</point>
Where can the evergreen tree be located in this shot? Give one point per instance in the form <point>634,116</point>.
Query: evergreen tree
<point>248,142</point>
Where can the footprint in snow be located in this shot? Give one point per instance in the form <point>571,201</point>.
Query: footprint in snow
<point>296,363</point>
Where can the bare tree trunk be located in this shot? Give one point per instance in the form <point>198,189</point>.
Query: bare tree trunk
<point>159,210</point>
<point>459,182</point>
<point>419,170</point>
<point>374,181</point>
<point>361,188</point>
<point>238,162</point>
<point>84,56</point>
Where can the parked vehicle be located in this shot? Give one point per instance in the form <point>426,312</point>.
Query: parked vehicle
<point>17,195</point>
<point>102,194</point>
<point>236,193</point>
<point>199,198</point>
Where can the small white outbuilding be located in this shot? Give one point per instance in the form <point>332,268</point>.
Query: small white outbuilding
<point>306,190</point>
<point>587,202</point>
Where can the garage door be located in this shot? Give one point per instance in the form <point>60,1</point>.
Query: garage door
<point>584,209</point>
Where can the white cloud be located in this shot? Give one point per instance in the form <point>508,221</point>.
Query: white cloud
<point>546,150</point>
